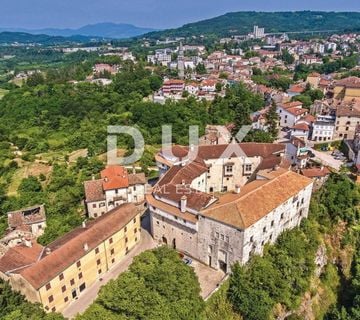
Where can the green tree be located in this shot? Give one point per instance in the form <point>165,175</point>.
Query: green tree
<point>158,285</point>
<point>272,120</point>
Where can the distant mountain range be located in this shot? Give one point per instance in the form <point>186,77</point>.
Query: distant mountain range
<point>98,30</point>
<point>237,23</point>
<point>27,38</point>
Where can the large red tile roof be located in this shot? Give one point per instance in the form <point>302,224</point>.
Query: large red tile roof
<point>238,210</point>
<point>70,248</point>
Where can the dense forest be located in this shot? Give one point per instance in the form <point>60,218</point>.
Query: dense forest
<point>236,23</point>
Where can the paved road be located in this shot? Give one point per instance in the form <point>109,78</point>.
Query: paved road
<point>327,159</point>
<point>89,295</point>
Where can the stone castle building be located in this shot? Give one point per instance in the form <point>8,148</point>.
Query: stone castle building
<point>222,208</point>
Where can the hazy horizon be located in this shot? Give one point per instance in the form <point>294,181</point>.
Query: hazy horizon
<point>158,14</point>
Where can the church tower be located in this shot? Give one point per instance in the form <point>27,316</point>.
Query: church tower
<point>181,65</point>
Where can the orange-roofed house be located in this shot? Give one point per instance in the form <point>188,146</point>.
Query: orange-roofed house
<point>300,130</point>
<point>208,85</point>
<point>290,113</point>
<point>115,187</point>
<point>295,90</point>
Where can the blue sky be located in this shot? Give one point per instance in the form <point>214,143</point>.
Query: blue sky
<point>147,13</point>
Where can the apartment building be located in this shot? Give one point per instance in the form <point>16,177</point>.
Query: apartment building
<point>57,274</point>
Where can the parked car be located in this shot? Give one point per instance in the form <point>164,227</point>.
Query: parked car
<point>187,261</point>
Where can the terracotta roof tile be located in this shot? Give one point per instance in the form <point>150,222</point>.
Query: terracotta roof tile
<point>70,248</point>
<point>94,190</point>
<point>19,257</point>
<point>240,211</point>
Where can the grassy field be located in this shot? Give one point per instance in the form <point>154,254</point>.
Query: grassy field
<point>3,92</point>
<point>27,169</point>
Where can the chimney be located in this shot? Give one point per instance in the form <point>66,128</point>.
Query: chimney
<point>237,189</point>
<point>86,247</point>
<point>183,203</point>
<point>47,251</point>
<point>27,242</point>
<point>84,224</point>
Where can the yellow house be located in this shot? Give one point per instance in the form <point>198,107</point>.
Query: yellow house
<point>57,274</point>
<point>347,89</point>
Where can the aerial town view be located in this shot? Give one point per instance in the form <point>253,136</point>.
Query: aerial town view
<point>193,160</point>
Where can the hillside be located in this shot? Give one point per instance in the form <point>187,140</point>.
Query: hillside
<point>22,37</point>
<point>104,30</point>
<point>242,23</point>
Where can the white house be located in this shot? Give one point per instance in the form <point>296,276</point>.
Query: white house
<point>290,114</point>
<point>114,188</point>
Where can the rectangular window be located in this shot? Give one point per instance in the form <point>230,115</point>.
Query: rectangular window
<point>217,235</point>
<point>78,264</point>
<point>135,230</point>
<point>82,287</point>
<point>94,205</point>
<point>53,309</point>
<point>228,169</point>
<point>248,167</point>
<point>72,282</point>
<point>98,261</point>
<point>97,250</point>
<point>48,286</point>
<point>134,220</point>
<point>66,299</point>
<point>80,275</point>
<point>113,260</point>
<point>125,229</point>
<point>61,276</point>
<point>63,288</point>
<point>272,223</point>
<point>227,239</point>
<point>111,240</point>
<point>112,251</point>
<point>264,229</point>
<point>222,237</point>
<point>252,239</point>
<point>51,299</point>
